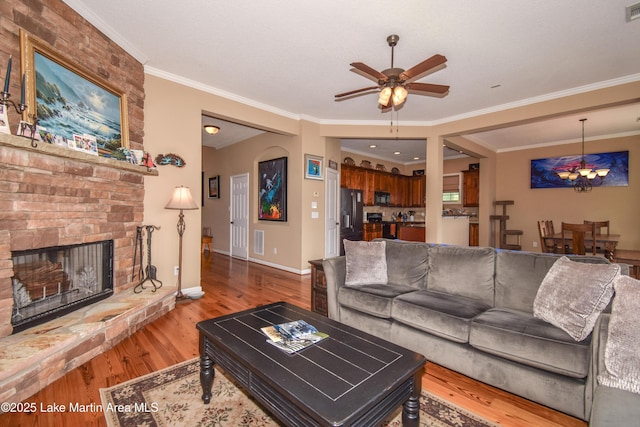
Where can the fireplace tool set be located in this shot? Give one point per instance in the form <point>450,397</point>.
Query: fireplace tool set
<point>149,273</point>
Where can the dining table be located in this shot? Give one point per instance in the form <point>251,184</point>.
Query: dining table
<point>607,241</point>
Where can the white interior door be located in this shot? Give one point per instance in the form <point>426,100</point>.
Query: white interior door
<point>332,230</point>
<point>239,227</point>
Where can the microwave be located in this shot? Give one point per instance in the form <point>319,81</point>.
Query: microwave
<point>382,198</point>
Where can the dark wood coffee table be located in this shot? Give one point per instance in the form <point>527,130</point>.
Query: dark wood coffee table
<point>351,378</point>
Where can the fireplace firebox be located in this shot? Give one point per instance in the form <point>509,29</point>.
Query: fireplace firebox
<point>50,282</point>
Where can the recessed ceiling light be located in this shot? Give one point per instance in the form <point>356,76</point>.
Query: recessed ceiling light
<point>211,129</point>
<point>373,146</point>
<point>416,158</point>
<point>396,152</point>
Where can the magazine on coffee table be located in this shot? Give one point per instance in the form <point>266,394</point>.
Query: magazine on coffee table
<point>293,336</point>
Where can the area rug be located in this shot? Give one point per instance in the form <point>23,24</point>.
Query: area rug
<point>172,397</point>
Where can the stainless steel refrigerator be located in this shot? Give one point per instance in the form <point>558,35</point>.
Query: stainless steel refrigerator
<point>351,216</point>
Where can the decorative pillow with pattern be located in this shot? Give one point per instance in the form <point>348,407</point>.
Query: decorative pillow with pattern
<point>622,351</point>
<point>366,263</point>
<point>573,294</point>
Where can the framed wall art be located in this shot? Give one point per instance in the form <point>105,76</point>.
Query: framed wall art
<point>313,166</point>
<point>214,187</point>
<point>544,172</point>
<point>71,102</point>
<point>272,194</point>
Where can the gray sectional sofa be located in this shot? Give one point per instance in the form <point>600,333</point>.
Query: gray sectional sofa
<point>471,310</point>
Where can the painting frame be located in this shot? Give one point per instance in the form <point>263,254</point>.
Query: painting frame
<point>544,170</point>
<point>313,167</point>
<point>214,187</point>
<point>272,190</point>
<point>30,46</point>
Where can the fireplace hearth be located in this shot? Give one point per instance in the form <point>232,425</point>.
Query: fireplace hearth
<point>50,282</point>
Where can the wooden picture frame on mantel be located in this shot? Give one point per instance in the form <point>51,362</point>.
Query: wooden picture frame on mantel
<point>68,100</point>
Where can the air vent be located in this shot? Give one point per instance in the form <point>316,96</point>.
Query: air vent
<point>258,242</point>
<point>633,12</point>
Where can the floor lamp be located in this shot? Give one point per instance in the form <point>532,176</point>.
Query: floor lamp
<point>181,200</point>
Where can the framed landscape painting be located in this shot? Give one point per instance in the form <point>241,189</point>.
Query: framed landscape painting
<point>70,102</point>
<point>272,195</point>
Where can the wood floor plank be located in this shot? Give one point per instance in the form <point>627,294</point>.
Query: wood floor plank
<point>231,285</point>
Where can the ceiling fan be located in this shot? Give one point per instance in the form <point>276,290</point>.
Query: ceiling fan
<point>394,83</point>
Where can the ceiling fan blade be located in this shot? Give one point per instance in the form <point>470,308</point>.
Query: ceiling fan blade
<point>428,87</point>
<point>424,66</point>
<point>353,92</point>
<point>370,72</point>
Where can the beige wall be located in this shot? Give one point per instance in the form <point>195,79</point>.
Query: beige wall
<point>620,205</point>
<point>172,124</point>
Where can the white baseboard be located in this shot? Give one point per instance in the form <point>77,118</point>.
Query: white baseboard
<point>269,264</point>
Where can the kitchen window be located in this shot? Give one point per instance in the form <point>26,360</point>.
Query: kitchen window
<point>451,188</point>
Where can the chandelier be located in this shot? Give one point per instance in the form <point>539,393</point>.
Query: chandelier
<point>582,178</point>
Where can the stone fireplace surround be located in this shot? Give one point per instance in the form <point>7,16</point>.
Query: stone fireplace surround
<point>52,196</point>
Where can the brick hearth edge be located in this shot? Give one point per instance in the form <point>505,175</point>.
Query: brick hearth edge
<point>32,359</point>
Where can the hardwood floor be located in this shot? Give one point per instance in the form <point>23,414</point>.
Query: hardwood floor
<point>232,285</point>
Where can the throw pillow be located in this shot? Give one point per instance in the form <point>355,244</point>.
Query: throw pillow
<point>573,294</point>
<point>622,351</point>
<point>366,263</point>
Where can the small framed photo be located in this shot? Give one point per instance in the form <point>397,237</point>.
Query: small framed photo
<point>313,166</point>
<point>214,187</point>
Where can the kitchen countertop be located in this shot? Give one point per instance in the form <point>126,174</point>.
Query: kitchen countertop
<point>413,223</point>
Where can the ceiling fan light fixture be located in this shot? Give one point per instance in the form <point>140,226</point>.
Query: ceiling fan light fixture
<point>211,129</point>
<point>399,95</point>
<point>385,95</point>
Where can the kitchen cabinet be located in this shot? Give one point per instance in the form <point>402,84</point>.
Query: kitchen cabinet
<point>372,230</point>
<point>405,191</point>
<point>352,177</point>
<point>471,188</point>
<point>474,234</point>
<point>411,233</point>
<point>417,190</point>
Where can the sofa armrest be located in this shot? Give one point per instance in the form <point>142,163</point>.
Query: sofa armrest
<point>335,272</point>
<point>611,407</point>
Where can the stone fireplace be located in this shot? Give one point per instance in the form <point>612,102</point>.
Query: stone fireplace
<point>55,203</point>
<point>52,196</point>
<point>51,282</point>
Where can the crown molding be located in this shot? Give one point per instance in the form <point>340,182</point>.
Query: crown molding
<point>100,24</point>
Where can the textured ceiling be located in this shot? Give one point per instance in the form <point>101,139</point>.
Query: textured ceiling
<point>292,57</point>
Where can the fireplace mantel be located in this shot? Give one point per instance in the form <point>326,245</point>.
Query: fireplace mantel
<point>22,143</point>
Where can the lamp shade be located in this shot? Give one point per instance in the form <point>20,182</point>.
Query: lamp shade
<point>181,199</point>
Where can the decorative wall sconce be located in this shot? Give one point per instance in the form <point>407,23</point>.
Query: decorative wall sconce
<point>21,107</point>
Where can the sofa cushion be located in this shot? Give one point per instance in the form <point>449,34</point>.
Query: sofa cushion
<point>407,263</point>
<point>519,336</point>
<point>572,295</point>
<point>519,275</point>
<point>464,271</point>
<point>366,262</point>
<point>622,351</point>
<point>438,313</point>
<point>374,299</point>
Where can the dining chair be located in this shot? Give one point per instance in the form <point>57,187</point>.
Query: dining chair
<point>545,229</point>
<point>599,226</point>
<point>580,236</point>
